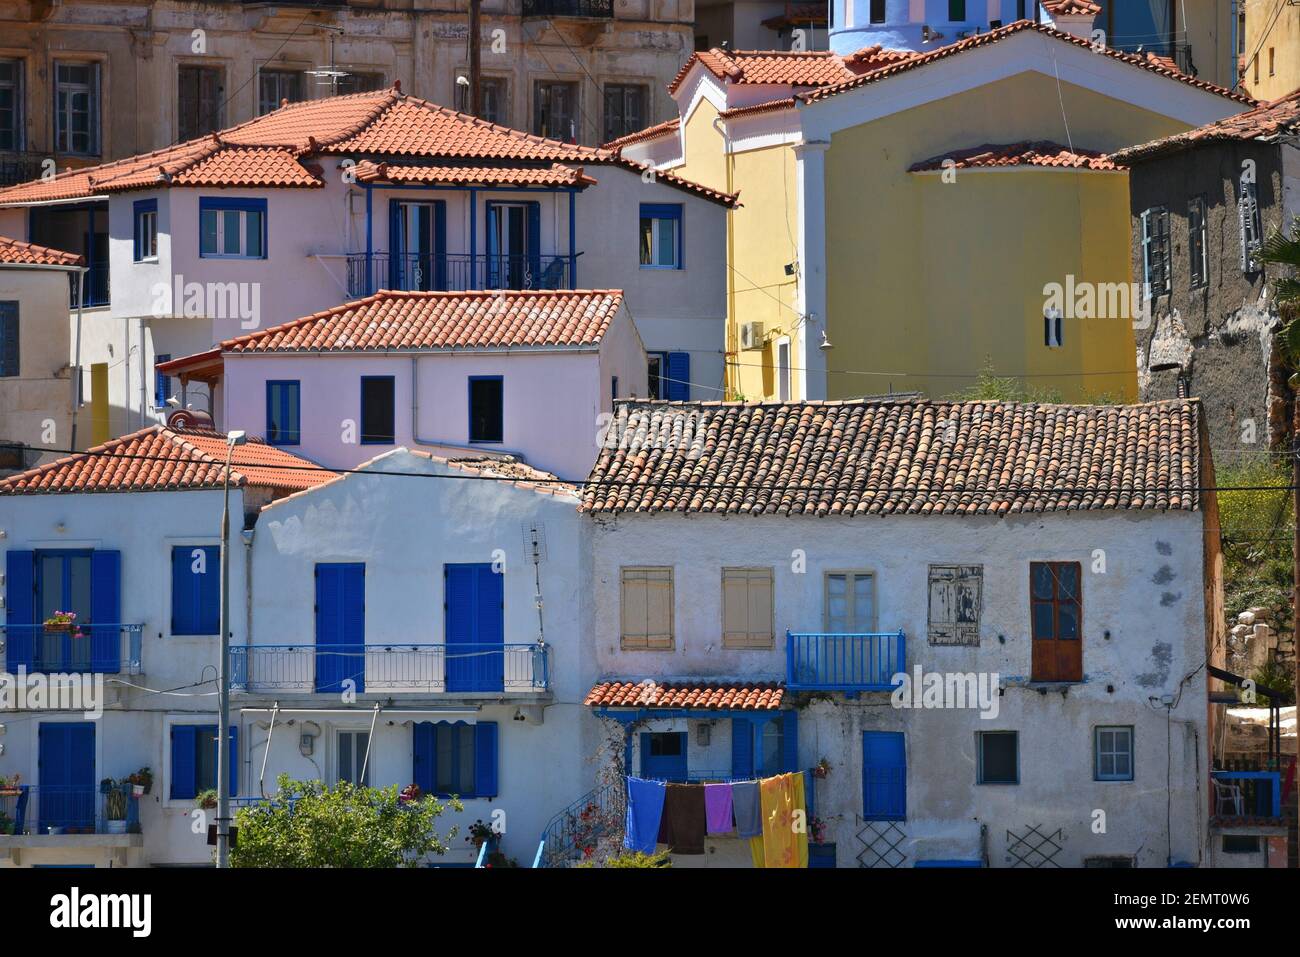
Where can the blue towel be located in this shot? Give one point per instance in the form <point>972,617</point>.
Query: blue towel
<point>645,808</point>
<point>745,806</point>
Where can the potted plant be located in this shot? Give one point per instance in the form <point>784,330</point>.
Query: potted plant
<point>817,831</point>
<point>822,769</point>
<point>141,782</point>
<point>206,800</point>
<point>9,787</point>
<point>61,621</point>
<point>115,808</point>
<point>480,834</point>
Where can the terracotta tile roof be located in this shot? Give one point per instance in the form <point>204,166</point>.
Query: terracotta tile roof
<point>441,320</point>
<point>668,177</point>
<point>1041,153</point>
<point>710,696</point>
<point>1082,8</point>
<point>649,133</point>
<point>165,459</point>
<point>771,106</point>
<point>274,150</point>
<point>1001,33</point>
<point>896,457</point>
<point>556,174</point>
<point>524,475</point>
<point>769,67</point>
<point>17,252</point>
<point>1267,123</point>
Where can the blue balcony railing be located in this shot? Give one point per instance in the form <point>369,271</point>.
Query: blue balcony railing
<point>396,669</point>
<point>1247,793</point>
<point>863,661</point>
<point>110,649</point>
<point>67,809</point>
<point>578,832</point>
<point>456,271</point>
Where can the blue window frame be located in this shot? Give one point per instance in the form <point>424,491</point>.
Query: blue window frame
<point>1112,749</point>
<point>162,382</point>
<point>455,758</point>
<point>486,408</point>
<point>194,759</point>
<point>196,590</point>
<point>231,228</point>
<point>8,338</point>
<point>282,411</point>
<point>661,236</point>
<point>378,409</point>
<point>884,776</point>
<point>669,375</point>
<point>145,241</point>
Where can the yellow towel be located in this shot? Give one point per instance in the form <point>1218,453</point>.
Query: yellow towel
<point>756,850</point>
<point>785,835</point>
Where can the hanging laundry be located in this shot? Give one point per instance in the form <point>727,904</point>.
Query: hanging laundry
<point>745,807</point>
<point>756,850</point>
<point>645,806</point>
<point>801,804</point>
<point>683,823</point>
<point>717,808</point>
<point>780,797</point>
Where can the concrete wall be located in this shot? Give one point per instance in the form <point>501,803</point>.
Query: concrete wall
<point>36,405</point>
<point>1144,637</point>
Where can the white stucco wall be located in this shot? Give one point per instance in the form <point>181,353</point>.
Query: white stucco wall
<point>36,405</point>
<point>1144,633</point>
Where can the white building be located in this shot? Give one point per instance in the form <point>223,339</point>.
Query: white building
<point>327,201</point>
<point>526,374</point>
<point>126,538</point>
<point>754,603</point>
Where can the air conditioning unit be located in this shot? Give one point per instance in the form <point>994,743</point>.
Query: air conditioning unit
<point>751,335</point>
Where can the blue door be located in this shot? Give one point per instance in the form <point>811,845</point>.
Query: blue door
<point>340,626</point>
<point>67,768</point>
<point>663,755</point>
<point>884,776</point>
<point>474,598</point>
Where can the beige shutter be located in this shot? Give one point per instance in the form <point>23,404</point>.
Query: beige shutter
<point>634,610</point>
<point>647,608</point>
<point>747,608</point>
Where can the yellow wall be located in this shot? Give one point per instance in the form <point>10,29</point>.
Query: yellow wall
<point>1282,36</point>
<point>932,279</point>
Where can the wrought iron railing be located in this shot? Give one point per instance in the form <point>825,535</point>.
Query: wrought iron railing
<point>389,668</point>
<point>1247,793</point>
<point>81,649</point>
<point>861,661</point>
<point>413,272</point>
<point>577,833</point>
<point>603,9</point>
<point>94,287</point>
<point>68,809</point>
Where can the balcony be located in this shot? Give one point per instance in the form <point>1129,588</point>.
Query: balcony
<point>94,287</point>
<point>595,9</point>
<point>1246,796</point>
<point>393,669</point>
<point>110,649</point>
<point>31,814</point>
<point>865,661</point>
<point>456,271</point>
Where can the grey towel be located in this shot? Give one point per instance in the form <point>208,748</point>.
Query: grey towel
<point>745,805</point>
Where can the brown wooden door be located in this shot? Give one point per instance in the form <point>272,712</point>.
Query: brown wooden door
<point>1056,620</point>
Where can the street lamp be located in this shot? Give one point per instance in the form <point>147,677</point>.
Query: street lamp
<point>223,668</point>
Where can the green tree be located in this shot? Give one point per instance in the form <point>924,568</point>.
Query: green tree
<point>1284,250</point>
<point>308,824</point>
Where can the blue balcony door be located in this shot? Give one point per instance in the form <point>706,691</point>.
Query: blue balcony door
<point>340,626</point>
<point>474,598</point>
<point>67,776</point>
<point>663,755</point>
<point>884,776</point>
<point>88,584</point>
<point>418,245</point>
<point>514,245</point>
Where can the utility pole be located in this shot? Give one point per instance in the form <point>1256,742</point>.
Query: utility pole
<point>475,66</point>
<point>223,670</point>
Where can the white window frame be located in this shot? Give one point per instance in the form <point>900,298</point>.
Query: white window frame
<point>1148,240</point>
<point>221,234</point>
<point>63,132</point>
<point>1097,751</point>
<point>849,574</point>
<point>784,388</point>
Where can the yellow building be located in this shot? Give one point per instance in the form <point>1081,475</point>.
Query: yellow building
<point>1271,48</point>
<point>909,218</point>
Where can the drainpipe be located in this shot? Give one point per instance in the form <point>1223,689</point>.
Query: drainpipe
<point>76,361</point>
<point>415,428</point>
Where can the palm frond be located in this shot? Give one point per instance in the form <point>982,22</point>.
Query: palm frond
<point>1287,291</point>
<point>1282,249</point>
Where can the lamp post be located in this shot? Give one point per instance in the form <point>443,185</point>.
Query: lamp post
<point>223,668</point>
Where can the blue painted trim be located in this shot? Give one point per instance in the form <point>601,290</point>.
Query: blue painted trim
<point>138,208</point>
<point>673,211</point>
<point>364,379</point>
<point>245,204</point>
<point>469,402</point>
<point>473,237</point>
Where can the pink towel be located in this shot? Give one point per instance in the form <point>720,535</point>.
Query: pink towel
<point>717,808</point>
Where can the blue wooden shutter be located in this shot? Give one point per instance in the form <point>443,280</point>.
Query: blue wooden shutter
<point>493,249</point>
<point>20,605</point>
<point>234,760</point>
<point>105,611</point>
<point>884,776</point>
<point>424,756</point>
<point>185,595</point>
<point>485,759</point>
<point>678,386</point>
<point>440,245</point>
<point>742,748</point>
<point>534,245</point>
<point>184,769</point>
<point>395,248</point>
<point>790,741</point>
